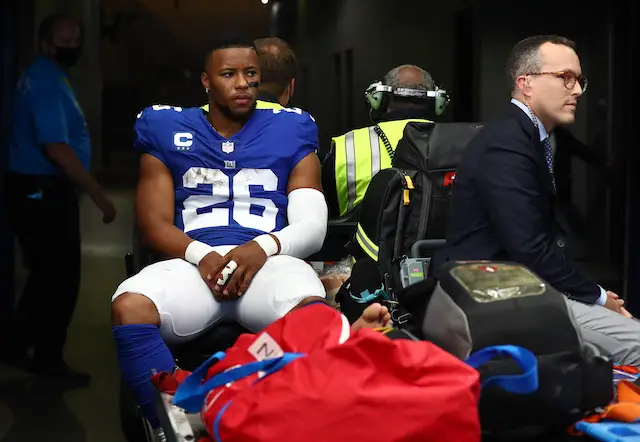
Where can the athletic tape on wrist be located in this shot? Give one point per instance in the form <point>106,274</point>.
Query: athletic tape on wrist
<point>196,250</point>
<point>268,244</point>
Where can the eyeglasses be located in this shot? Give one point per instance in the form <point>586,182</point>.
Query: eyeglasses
<point>570,78</point>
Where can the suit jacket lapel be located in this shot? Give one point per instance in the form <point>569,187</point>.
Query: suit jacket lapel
<point>536,144</point>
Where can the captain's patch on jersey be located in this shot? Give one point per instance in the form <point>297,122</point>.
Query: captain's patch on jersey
<point>183,140</point>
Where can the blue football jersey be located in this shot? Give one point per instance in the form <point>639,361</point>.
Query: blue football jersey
<point>227,191</point>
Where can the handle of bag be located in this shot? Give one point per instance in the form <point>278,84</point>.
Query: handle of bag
<point>191,393</point>
<point>524,383</point>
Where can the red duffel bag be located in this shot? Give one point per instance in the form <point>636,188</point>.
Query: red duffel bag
<point>304,379</point>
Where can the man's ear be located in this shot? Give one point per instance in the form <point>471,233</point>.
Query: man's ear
<point>46,48</point>
<point>523,83</point>
<point>292,87</point>
<point>204,79</point>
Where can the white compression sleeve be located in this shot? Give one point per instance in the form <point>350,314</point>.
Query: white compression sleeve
<point>307,214</point>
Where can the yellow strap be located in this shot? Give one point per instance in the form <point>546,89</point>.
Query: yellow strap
<point>405,197</point>
<point>409,182</point>
<point>384,330</point>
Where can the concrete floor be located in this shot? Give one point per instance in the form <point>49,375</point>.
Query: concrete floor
<point>30,411</point>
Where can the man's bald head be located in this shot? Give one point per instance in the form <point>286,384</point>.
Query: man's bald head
<point>278,67</point>
<point>408,76</point>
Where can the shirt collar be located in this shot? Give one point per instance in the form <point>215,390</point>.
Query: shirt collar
<point>543,132</point>
<point>405,114</point>
<point>264,96</point>
<point>50,64</point>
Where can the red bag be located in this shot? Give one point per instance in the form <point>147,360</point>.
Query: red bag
<point>301,379</point>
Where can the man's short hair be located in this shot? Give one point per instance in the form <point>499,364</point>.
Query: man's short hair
<point>524,57</point>
<point>278,64</point>
<point>227,42</point>
<point>48,25</point>
<point>392,78</point>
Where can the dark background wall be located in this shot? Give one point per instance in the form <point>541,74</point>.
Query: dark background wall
<point>143,52</point>
<point>347,44</point>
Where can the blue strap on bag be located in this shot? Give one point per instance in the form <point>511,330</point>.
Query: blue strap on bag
<point>191,393</point>
<point>524,383</point>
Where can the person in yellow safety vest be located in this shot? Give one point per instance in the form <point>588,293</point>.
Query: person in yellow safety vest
<point>406,94</point>
<point>278,69</point>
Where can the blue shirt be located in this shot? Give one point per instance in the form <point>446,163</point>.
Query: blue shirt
<point>45,110</point>
<point>227,191</point>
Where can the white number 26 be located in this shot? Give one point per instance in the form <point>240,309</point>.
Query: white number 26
<point>242,200</point>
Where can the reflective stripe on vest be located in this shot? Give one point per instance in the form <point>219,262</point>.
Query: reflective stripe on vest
<point>369,247</point>
<point>360,154</point>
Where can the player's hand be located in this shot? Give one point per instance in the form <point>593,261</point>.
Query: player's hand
<point>107,208</point>
<point>209,266</point>
<point>249,258</point>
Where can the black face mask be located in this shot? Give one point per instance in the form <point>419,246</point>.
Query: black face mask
<point>67,57</point>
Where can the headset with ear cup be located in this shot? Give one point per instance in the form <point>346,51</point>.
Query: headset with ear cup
<point>378,96</point>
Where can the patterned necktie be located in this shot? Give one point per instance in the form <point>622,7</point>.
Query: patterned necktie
<point>549,157</point>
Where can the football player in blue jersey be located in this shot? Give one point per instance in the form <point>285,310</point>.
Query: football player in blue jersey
<point>232,198</point>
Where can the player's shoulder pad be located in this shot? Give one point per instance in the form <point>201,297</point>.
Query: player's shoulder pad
<point>158,117</point>
<point>293,114</point>
<point>153,122</point>
<point>159,113</point>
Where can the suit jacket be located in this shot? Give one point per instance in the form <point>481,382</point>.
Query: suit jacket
<point>502,206</point>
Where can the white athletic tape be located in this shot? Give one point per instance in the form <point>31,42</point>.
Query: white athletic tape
<point>196,251</point>
<point>227,272</point>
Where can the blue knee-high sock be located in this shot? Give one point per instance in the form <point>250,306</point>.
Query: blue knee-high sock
<point>141,352</point>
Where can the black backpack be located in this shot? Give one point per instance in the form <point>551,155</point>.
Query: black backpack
<point>410,201</point>
<point>475,305</point>
<point>403,204</point>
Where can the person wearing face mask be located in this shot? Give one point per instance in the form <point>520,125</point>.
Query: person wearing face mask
<point>49,159</point>
<point>502,206</point>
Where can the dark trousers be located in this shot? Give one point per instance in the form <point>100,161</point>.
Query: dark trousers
<point>43,213</point>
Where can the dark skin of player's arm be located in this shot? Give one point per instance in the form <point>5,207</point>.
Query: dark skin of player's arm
<point>155,201</point>
<point>250,257</point>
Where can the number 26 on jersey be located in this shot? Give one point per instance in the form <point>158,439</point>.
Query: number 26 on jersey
<point>221,193</point>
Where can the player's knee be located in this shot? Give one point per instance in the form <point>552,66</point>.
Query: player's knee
<point>134,308</point>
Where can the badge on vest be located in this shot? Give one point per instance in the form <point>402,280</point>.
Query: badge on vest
<point>227,146</point>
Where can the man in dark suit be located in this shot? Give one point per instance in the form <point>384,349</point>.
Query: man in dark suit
<point>503,201</point>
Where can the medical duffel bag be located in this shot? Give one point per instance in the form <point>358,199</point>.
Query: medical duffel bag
<point>475,305</point>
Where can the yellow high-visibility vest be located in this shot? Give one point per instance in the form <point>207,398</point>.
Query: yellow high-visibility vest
<point>360,154</point>
<point>259,105</point>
